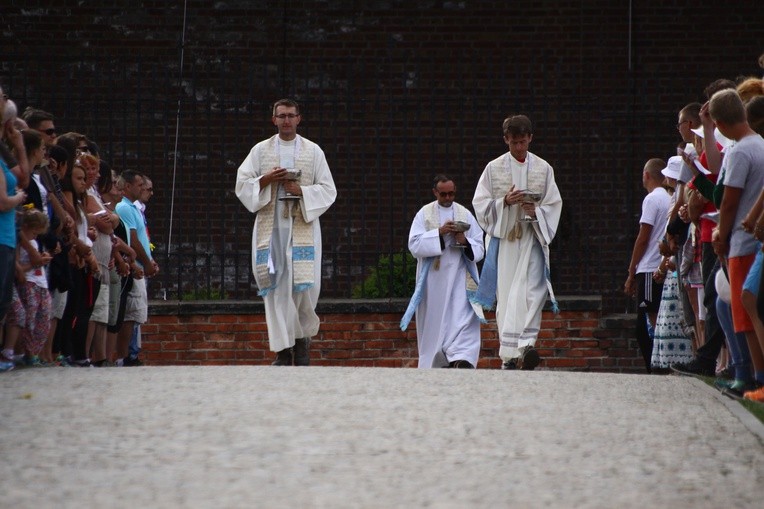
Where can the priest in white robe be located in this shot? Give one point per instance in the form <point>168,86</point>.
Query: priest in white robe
<point>286,240</point>
<point>519,230</point>
<point>447,324</point>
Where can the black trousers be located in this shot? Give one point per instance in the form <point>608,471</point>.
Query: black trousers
<point>714,339</point>
<point>72,330</point>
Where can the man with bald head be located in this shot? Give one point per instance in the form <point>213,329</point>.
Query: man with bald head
<point>645,256</point>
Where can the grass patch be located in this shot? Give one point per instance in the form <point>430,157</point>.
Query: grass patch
<point>756,409</point>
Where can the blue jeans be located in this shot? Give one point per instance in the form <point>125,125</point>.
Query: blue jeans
<point>736,343</point>
<point>135,343</point>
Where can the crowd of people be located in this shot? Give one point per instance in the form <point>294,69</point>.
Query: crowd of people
<point>74,248</point>
<point>696,262</point>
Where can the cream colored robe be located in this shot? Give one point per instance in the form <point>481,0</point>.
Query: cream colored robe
<point>522,283</point>
<point>288,314</point>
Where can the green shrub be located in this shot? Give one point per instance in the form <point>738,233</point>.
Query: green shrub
<point>394,276</point>
<point>204,294</point>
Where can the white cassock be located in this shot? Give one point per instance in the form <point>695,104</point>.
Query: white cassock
<point>523,254</point>
<point>288,314</point>
<point>447,327</point>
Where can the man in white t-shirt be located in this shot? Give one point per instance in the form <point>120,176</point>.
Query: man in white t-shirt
<point>646,258</point>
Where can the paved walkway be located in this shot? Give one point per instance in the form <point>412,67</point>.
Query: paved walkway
<point>370,437</point>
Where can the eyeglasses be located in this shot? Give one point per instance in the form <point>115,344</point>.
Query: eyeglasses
<point>284,116</point>
<point>84,149</point>
<point>446,194</point>
<point>49,132</point>
<point>680,123</point>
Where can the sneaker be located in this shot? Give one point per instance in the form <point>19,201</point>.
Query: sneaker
<point>723,383</point>
<point>756,395</point>
<point>738,389</point>
<point>461,364</point>
<point>132,361</point>
<point>82,363</point>
<point>5,366</point>
<point>529,359</point>
<point>694,368</point>
<point>510,364</point>
<point>62,361</point>
<point>33,361</point>
<point>5,358</point>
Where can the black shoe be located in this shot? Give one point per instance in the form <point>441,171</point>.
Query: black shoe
<point>283,358</point>
<point>132,361</point>
<point>694,368</point>
<point>302,352</point>
<point>510,364</point>
<point>460,364</point>
<point>529,359</point>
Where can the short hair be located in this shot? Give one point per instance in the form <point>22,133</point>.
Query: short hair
<point>517,125</point>
<point>692,112</point>
<point>129,176</point>
<point>654,167</point>
<point>750,88</point>
<point>32,140</point>
<point>727,107</point>
<point>716,86</point>
<point>289,103</point>
<point>34,117</point>
<point>755,111</point>
<point>441,177</point>
<point>58,154</point>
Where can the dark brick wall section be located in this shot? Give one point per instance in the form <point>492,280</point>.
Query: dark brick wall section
<point>394,91</point>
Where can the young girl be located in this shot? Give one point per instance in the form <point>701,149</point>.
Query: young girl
<point>31,305</point>
<point>73,325</point>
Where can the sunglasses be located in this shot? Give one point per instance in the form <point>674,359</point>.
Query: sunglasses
<point>84,149</point>
<point>49,132</point>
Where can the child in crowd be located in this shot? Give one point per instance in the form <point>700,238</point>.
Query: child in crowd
<point>30,309</point>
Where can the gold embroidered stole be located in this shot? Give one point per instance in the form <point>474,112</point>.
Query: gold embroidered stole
<point>303,247</point>
<point>432,222</point>
<point>501,182</point>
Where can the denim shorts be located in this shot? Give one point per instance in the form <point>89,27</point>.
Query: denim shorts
<point>753,279</point>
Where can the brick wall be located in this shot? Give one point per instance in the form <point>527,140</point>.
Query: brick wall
<point>394,91</point>
<point>366,333</point>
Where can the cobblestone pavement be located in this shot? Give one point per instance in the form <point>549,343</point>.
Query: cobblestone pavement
<point>245,436</point>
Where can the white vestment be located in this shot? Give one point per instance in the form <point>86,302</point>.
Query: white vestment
<point>447,327</point>
<point>288,314</point>
<point>522,282</point>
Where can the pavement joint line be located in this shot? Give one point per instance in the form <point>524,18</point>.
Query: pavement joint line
<point>738,410</point>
